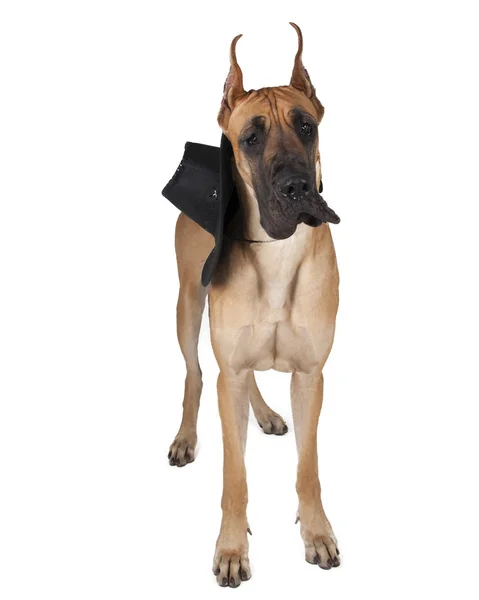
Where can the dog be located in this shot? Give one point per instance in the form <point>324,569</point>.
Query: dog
<point>273,301</point>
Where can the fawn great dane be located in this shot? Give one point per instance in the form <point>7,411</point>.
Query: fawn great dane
<point>273,298</point>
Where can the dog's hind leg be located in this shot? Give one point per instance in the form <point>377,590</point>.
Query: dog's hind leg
<point>191,245</point>
<point>269,421</point>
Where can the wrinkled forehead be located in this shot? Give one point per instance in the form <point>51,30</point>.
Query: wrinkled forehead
<point>276,106</point>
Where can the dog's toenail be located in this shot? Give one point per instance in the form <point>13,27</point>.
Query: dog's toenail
<point>224,583</point>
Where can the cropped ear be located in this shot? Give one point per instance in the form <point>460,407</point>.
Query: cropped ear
<point>300,78</point>
<point>233,88</point>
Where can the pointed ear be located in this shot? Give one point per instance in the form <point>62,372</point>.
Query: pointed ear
<point>233,89</point>
<point>300,78</point>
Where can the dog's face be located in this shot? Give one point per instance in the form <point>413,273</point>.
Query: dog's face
<point>274,134</point>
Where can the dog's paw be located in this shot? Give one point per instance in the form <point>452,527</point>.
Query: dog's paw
<point>231,567</point>
<point>182,450</point>
<point>322,550</point>
<point>272,423</point>
<point>320,544</point>
<point>231,563</point>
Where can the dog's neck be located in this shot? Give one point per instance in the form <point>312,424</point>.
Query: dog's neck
<point>246,225</point>
<point>276,261</point>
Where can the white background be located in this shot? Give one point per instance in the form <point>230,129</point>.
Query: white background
<point>97,101</point>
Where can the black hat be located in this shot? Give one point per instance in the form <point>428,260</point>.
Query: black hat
<point>202,188</point>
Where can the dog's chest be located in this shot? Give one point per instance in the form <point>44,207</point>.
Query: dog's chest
<point>274,311</point>
<point>273,339</point>
<point>273,345</point>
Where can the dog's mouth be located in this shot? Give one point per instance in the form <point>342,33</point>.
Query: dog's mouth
<point>316,211</point>
<point>308,220</point>
<point>285,217</point>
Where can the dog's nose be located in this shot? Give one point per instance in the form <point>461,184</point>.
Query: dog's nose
<point>294,188</point>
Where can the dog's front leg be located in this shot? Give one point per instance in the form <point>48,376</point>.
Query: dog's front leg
<point>231,564</point>
<point>319,540</point>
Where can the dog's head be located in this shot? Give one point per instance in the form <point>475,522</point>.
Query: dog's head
<point>274,135</point>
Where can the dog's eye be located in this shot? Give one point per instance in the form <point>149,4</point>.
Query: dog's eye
<point>306,129</point>
<point>252,140</point>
